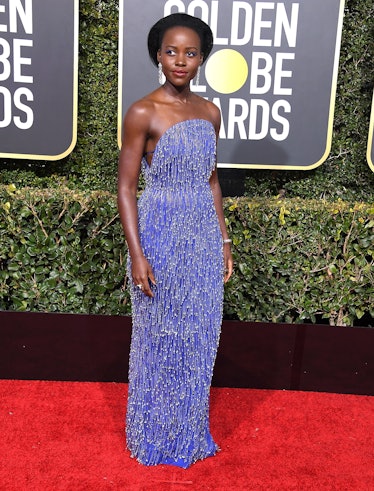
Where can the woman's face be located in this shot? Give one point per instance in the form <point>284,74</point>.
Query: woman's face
<point>180,55</point>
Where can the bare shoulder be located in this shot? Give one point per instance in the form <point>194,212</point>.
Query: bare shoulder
<point>213,113</point>
<point>144,112</point>
<point>139,114</point>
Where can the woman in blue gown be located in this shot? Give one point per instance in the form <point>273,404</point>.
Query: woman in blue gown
<point>179,251</point>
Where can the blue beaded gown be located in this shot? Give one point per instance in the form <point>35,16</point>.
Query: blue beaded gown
<point>175,334</point>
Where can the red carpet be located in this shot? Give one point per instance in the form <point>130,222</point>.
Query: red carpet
<point>69,436</point>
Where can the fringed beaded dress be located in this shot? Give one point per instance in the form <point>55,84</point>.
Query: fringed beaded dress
<point>175,334</point>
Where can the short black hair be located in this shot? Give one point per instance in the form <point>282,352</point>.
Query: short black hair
<point>179,19</point>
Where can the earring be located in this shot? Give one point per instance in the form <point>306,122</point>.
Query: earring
<point>160,74</point>
<point>198,76</point>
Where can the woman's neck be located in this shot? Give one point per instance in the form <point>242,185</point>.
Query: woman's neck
<point>178,94</point>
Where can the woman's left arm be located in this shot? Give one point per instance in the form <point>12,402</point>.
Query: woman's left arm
<point>217,197</point>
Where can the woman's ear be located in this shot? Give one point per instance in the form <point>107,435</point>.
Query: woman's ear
<point>159,55</point>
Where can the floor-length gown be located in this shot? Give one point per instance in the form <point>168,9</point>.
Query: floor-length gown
<point>176,333</point>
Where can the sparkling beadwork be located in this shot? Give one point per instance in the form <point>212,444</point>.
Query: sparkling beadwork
<point>176,333</point>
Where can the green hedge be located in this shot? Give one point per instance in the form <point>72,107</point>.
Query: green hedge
<point>61,251</point>
<point>295,261</point>
<point>301,261</point>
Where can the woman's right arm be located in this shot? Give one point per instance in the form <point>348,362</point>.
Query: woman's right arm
<point>135,133</point>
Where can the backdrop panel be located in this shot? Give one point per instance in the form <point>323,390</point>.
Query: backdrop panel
<point>38,78</point>
<point>272,71</point>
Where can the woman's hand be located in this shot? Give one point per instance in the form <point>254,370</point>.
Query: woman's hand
<point>228,261</point>
<point>142,275</point>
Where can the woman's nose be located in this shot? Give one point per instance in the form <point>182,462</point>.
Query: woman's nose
<point>180,60</point>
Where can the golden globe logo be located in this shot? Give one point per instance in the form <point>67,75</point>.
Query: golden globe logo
<point>233,77</point>
<point>250,79</point>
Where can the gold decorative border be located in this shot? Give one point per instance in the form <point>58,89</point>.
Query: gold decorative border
<point>371,138</point>
<point>120,73</point>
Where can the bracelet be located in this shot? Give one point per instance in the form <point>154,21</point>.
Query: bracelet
<point>227,241</point>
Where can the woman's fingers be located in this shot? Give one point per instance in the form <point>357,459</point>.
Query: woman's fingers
<point>151,277</point>
<point>143,281</point>
<point>229,266</point>
<point>144,286</point>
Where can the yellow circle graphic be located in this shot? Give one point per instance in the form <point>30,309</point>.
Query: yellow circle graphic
<point>226,71</point>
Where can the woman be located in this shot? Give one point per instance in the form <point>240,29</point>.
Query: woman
<point>179,251</point>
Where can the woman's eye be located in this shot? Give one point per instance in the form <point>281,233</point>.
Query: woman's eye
<point>170,52</point>
<point>191,53</point>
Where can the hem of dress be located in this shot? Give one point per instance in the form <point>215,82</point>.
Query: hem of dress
<point>176,462</point>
